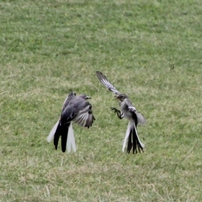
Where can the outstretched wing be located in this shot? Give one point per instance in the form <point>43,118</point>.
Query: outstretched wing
<point>85,116</point>
<point>103,79</point>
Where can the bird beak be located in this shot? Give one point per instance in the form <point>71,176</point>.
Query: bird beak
<point>88,97</point>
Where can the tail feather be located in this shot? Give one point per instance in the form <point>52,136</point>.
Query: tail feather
<point>126,136</point>
<point>71,140</point>
<point>64,135</point>
<point>62,130</point>
<point>52,132</point>
<point>57,136</point>
<point>132,140</point>
<point>67,136</point>
<point>139,143</point>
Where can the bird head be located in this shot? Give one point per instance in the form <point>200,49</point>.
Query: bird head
<point>72,93</point>
<point>121,97</point>
<point>85,97</point>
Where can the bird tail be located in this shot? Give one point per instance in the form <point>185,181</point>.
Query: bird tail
<point>131,140</point>
<point>52,132</point>
<point>71,140</point>
<point>67,136</point>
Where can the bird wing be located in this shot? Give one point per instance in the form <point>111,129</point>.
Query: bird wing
<point>77,109</point>
<point>103,79</point>
<point>132,108</point>
<point>140,118</point>
<point>85,117</point>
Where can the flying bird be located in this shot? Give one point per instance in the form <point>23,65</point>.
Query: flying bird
<point>128,111</point>
<point>77,109</point>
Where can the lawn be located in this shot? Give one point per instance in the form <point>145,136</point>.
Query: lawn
<point>150,50</point>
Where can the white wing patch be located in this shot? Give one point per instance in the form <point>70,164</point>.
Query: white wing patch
<point>132,108</point>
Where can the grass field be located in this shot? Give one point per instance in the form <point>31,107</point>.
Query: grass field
<point>150,50</point>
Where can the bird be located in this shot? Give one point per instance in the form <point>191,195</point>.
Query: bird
<point>77,109</point>
<point>127,110</point>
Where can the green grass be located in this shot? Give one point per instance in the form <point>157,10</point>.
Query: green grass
<point>150,50</point>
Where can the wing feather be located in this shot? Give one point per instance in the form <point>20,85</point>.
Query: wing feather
<point>85,118</point>
<point>140,118</point>
<point>103,79</point>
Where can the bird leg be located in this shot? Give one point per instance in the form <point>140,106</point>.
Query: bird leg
<point>118,112</point>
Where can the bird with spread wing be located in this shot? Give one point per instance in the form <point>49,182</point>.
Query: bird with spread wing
<point>76,109</point>
<point>128,111</point>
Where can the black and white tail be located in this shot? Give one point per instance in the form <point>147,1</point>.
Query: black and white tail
<point>131,140</point>
<point>67,136</point>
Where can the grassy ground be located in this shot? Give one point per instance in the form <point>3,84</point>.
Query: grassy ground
<point>150,50</point>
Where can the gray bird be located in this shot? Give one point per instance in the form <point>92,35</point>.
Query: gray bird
<point>128,111</point>
<point>77,109</point>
